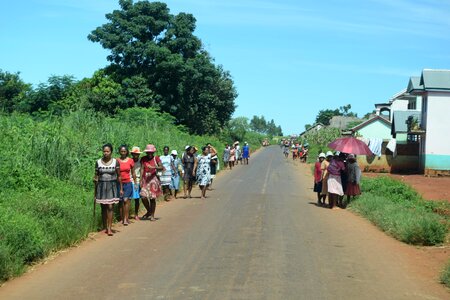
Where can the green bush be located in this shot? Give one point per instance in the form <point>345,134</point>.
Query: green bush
<point>412,225</point>
<point>445,275</point>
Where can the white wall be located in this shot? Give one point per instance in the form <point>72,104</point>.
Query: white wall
<point>438,123</point>
<point>398,105</point>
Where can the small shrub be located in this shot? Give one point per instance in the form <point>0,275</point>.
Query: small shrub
<point>445,275</point>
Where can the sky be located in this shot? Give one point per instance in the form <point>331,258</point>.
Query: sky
<point>289,59</point>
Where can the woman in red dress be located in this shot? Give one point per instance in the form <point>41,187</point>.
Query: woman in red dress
<point>150,185</point>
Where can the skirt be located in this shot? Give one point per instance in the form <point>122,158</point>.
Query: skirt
<point>335,185</point>
<point>106,192</point>
<point>127,190</point>
<point>151,187</point>
<point>353,189</point>
<point>166,178</point>
<point>136,192</point>
<point>175,183</point>
<point>318,187</point>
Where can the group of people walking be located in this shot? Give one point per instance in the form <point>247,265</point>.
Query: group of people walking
<point>122,179</point>
<point>234,155</point>
<point>336,175</point>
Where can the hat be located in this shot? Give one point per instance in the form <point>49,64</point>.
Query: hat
<point>150,148</point>
<point>337,153</point>
<point>187,146</point>
<point>136,149</point>
<point>351,156</point>
<point>237,142</point>
<point>322,155</point>
<point>174,152</point>
<point>329,153</point>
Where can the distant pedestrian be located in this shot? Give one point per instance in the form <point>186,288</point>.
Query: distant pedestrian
<point>353,178</point>
<point>177,173</point>
<point>135,154</point>
<point>150,184</point>
<point>203,170</point>
<point>232,157</point>
<point>214,164</point>
<point>318,179</point>
<point>238,153</point>
<point>126,172</point>
<point>107,180</point>
<point>166,174</point>
<point>246,153</point>
<point>226,156</point>
<point>189,162</point>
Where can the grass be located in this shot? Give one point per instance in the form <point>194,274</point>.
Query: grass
<point>399,211</point>
<point>46,195</point>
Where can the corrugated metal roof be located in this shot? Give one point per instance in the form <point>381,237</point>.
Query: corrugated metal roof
<point>414,84</point>
<point>400,118</point>
<point>435,79</point>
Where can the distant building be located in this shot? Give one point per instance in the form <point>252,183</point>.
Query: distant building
<point>434,89</point>
<point>342,122</point>
<point>315,127</point>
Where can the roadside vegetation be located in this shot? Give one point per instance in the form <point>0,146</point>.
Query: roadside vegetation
<point>445,276</point>
<point>401,212</point>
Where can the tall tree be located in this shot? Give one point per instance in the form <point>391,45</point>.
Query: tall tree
<point>147,41</point>
<point>12,91</point>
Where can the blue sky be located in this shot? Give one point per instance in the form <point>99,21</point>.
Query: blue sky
<point>289,59</point>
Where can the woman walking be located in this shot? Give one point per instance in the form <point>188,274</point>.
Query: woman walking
<point>135,154</point>
<point>107,193</point>
<point>226,156</point>
<point>175,182</point>
<point>150,185</point>
<point>232,157</point>
<point>334,180</point>
<point>166,176</point>
<point>246,153</point>
<point>204,169</point>
<point>126,169</point>
<point>189,163</point>
<point>318,179</point>
<point>353,178</point>
<point>214,165</point>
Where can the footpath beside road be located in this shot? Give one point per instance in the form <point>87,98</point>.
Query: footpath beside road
<point>258,235</point>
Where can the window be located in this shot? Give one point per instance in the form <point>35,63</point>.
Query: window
<point>412,104</point>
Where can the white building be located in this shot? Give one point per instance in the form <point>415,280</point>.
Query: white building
<point>434,89</point>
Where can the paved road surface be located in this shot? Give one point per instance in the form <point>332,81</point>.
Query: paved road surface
<point>257,236</point>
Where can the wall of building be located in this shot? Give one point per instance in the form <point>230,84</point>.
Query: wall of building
<point>438,125</point>
<point>405,162</point>
<point>398,105</point>
<point>377,129</point>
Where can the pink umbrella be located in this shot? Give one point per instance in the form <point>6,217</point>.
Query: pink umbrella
<point>350,145</point>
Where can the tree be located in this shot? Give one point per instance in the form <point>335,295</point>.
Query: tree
<point>308,126</point>
<point>12,91</point>
<point>147,41</point>
<point>324,116</point>
<point>258,124</point>
<point>238,128</point>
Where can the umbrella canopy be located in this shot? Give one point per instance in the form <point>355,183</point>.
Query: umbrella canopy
<point>350,145</point>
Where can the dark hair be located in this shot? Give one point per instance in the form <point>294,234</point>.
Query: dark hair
<point>125,147</point>
<point>166,147</point>
<point>204,148</point>
<point>107,145</point>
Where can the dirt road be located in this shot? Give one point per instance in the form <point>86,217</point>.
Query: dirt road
<point>257,236</point>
